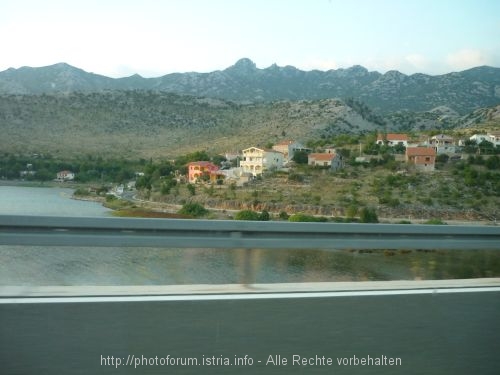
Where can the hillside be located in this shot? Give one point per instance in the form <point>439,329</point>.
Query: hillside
<point>145,123</point>
<point>140,123</point>
<point>243,82</point>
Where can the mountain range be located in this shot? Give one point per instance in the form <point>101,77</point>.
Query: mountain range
<point>458,92</point>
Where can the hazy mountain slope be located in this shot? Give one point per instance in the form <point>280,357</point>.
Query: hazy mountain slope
<point>243,82</point>
<point>153,123</point>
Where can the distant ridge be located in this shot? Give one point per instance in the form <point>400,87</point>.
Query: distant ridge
<point>462,92</point>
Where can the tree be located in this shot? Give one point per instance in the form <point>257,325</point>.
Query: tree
<point>300,157</point>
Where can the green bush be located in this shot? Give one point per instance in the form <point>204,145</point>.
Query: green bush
<point>193,209</point>
<point>283,215</point>
<point>368,215</point>
<point>435,222</point>
<point>247,215</point>
<point>264,216</point>
<point>300,217</point>
<point>81,192</point>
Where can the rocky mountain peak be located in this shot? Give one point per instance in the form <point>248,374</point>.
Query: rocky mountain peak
<point>243,66</point>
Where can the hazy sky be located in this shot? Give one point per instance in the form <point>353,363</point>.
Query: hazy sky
<point>156,37</point>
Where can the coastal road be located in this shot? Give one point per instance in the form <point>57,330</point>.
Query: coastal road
<point>441,331</point>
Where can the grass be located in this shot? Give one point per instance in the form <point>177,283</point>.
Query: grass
<point>139,212</point>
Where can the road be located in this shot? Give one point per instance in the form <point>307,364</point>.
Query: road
<point>432,333</point>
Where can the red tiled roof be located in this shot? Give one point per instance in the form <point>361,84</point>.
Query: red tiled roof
<point>392,137</point>
<point>420,151</point>
<point>323,157</point>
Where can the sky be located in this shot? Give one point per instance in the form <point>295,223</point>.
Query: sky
<point>157,37</point>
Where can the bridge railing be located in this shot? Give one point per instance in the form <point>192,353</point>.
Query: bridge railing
<point>133,232</point>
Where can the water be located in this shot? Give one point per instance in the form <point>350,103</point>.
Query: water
<point>15,200</point>
<point>37,265</point>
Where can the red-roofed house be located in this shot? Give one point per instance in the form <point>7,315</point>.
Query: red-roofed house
<point>197,169</point>
<point>392,139</point>
<point>424,158</point>
<point>334,161</point>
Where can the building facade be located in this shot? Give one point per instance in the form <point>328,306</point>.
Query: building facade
<point>199,170</point>
<point>257,160</point>
<point>423,158</point>
<point>288,148</point>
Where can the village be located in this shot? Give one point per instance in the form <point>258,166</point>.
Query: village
<point>398,175</point>
<point>254,161</point>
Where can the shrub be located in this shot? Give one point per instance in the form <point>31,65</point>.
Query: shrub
<point>193,209</point>
<point>435,222</point>
<point>300,217</point>
<point>368,215</point>
<point>295,177</point>
<point>264,216</point>
<point>191,189</point>
<point>283,215</point>
<point>247,215</point>
<point>81,192</point>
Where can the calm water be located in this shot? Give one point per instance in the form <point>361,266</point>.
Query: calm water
<point>16,200</point>
<point>36,265</point>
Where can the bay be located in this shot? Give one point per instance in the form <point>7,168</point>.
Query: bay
<point>41,201</point>
<point>44,265</point>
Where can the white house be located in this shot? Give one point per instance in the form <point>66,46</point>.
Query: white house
<point>478,138</point>
<point>65,176</point>
<point>392,139</point>
<point>494,137</point>
<point>257,160</point>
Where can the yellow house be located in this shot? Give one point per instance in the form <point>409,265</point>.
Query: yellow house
<point>257,160</point>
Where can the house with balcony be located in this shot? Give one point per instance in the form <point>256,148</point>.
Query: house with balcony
<point>423,158</point>
<point>257,160</point>
<point>288,148</point>
<point>201,170</point>
<point>443,144</point>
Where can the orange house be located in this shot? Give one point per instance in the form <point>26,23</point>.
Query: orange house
<point>424,158</point>
<point>198,169</point>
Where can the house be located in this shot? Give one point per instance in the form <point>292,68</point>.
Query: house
<point>443,144</point>
<point>494,137</point>
<point>334,161</point>
<point>288,148</point>
<point>236,176</point>
<point>424,158</point>
<point>392,139</point>
<point>478,138</point>
<point>65,176</point>
<point>201,169</point>
<point>257,160</point>
<point>231,155</point>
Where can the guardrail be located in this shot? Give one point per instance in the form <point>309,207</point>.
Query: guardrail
<point>132,232</point>
<point>330,326</point>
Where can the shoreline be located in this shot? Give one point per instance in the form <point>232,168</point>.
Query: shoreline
<point>145,208</point>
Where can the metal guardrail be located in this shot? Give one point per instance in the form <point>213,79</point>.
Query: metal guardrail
<point>132,232</point>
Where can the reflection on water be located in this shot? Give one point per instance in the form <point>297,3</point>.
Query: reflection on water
<point>134,266</point>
